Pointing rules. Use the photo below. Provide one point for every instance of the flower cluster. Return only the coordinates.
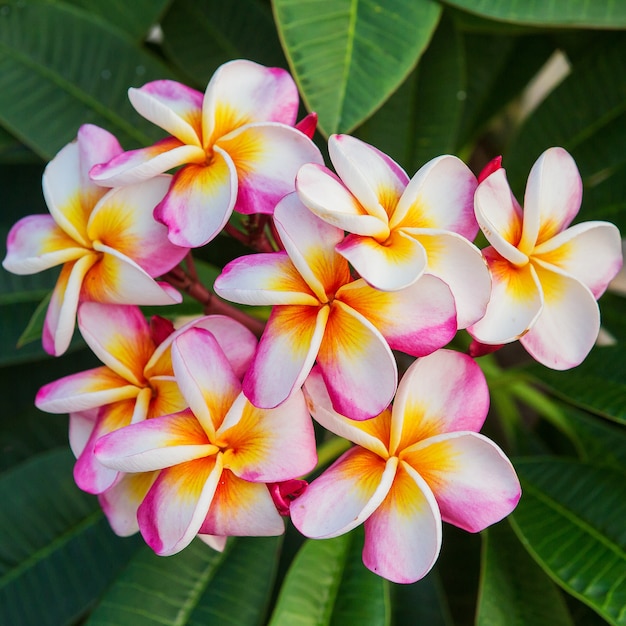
(203, 429)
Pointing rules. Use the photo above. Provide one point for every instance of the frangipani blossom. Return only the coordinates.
(136, 381)
(236, 144)
(214, 457)
(322, 314)
(107, 241)
(400, 228)
(415, 465)
(546, 274)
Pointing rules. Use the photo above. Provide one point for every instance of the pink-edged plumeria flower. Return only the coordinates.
(216, 457)
(414, 465)
(546, 274)
(321, 313)
(107, 241)
(236, 144)
(401, 229)
(136, 382)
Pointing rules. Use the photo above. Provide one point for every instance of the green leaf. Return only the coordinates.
(612, 307)
(196, 586)
(598, 384)
(134, 18)
(349, 56)
(201, 35)
(327, 584)
(420, 120)
(571, 519)
(57, 553)
(60, 68)
(514, 590)
(570, 13)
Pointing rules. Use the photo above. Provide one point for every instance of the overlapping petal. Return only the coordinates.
(357, 364)
(345, 495)
(123, 220)
(417, 320)
(267, 157)
(474, 484)
(286, 353)
(243, 92)
(242, 508)
(35, 243)
(403, 535)
(568, 326)
(95, 145)
(200, 201)
(515, 304)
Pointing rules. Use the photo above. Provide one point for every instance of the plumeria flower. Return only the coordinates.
(216, 457)
(547, 275)
(401, 229)
(415, 465)
(107, 241)
(236, 144)
(136, 382)
(321, 313)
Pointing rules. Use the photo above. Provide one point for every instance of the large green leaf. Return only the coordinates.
(598, 384)
(514, 590)
(196, 586)
(201, 35)
(57, 553)
(327, 584)
(571, 519)
(60, 68)
(573, 13)
(134, 18)
(348, 56)
(420, 120)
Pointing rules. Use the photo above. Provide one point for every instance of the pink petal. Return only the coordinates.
(375, 179)
(121, 501)
(403, 536)
(174, 509)
(269, 445)
(357, 365)
(95, 145)
(200, 201)
(155, 443)
(460, 265)
(265, 278)
(310, 244)
(123, 220)
(590, 252)
(172, 107)
(417, 320)
(242, 92)
(60, 319)
(136, 166)
(119, 336)
(267, 158)
(116, 279)
(568, 326)
(36, 243)
(81, 424)
(441, 196)
(516, 301)
(552, 199)
(345, 495)
(84, 390)
(474, 483)
(240, 508)
(500, 216)
(214, 541)
(204, 376)
(394, 265)
(324, 193)
(440, 393)
(371, 434)
(286, 353)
